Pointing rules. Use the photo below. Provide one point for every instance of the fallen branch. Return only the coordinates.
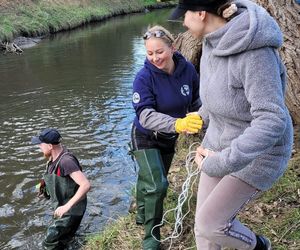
(10, 48)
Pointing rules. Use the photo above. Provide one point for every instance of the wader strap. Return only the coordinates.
(56, 165)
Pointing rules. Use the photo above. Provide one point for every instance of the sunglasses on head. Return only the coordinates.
(156, 33)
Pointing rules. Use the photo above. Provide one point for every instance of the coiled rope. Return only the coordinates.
(185, 195)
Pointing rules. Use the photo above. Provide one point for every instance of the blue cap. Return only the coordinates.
(48, 135)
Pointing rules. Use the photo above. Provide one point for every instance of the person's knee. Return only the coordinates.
(158, 187)
(208, 232)
(205, 226)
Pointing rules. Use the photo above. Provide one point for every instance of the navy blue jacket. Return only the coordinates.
(171, 95)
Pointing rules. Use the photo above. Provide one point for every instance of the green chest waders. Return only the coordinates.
(62, 230)
(152, 185)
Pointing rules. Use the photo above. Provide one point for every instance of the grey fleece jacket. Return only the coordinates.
(242, 91)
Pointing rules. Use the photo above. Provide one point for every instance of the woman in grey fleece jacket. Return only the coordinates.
(249, 134)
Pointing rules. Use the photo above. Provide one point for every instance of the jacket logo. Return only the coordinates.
(185, 90)
(136, 97)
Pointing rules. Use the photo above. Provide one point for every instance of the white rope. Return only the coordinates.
(184, 196)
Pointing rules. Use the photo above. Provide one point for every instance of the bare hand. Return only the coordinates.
(60, 211)
(201, 154)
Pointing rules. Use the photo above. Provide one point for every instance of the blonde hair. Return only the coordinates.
(168, 38)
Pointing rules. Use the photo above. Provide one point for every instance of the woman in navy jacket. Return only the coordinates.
(165, 91)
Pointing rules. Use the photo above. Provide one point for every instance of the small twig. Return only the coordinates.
(296, 225)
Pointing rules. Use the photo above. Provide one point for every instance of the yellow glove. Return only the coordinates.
(192, 123)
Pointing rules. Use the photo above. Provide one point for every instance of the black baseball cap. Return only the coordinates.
(48, 135)
(196, 5)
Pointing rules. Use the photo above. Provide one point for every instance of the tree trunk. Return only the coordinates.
(189, 47)
(286, 12)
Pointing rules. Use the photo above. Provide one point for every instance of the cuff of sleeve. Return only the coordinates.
(204, 118)
(214, 167)
(173, 126)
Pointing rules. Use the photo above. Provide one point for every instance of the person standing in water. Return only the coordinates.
(249, 135)
(165, 90)
(67, 187)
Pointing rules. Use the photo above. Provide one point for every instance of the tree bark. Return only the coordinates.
(287, 13)
(189, 47)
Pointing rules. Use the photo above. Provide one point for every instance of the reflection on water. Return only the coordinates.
(79, 82)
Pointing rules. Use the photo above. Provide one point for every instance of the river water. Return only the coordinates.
(79, 82)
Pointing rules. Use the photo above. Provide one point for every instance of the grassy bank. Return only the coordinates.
(275, 214)
(35, 18)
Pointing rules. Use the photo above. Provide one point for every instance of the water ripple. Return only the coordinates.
(87, 96)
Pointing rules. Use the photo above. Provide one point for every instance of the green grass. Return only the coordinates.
(120, 235)
(42, 17)
(275, 214)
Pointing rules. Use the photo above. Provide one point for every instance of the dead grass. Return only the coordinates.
(275, 214)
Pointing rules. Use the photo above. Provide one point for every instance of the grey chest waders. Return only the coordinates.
(62, 230)
(152, 185)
